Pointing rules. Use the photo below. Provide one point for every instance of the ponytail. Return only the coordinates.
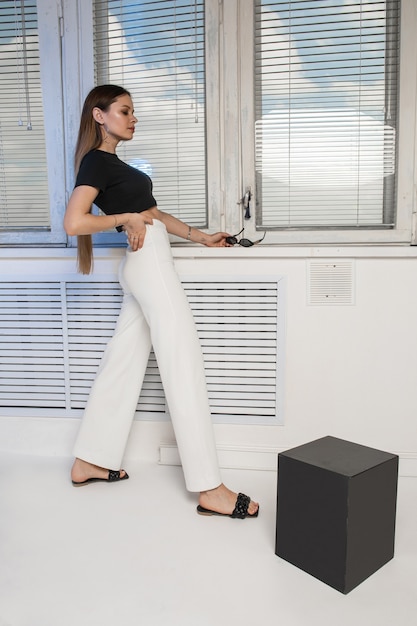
(85, 254)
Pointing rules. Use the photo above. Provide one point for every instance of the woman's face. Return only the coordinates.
(118, 121)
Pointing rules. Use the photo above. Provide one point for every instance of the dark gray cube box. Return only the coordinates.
(336, 507)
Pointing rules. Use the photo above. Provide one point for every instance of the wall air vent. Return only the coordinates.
(330, 282)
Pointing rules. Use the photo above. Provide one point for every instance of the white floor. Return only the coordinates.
(136, 554)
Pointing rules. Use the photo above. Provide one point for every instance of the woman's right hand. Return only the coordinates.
(135, 228)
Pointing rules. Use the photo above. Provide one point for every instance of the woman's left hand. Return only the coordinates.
(217, 240)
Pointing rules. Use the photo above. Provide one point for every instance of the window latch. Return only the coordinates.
(245, 202)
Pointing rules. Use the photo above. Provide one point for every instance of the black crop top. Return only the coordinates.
(123, 189)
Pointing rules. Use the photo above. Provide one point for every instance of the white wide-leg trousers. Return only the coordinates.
(155, 312)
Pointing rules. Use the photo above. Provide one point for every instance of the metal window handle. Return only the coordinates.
(246, 203)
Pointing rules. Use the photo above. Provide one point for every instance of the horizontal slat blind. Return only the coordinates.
(155, 49)
(326, 101)
(53, 335)
(24, 201)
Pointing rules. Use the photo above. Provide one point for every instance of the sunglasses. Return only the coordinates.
(246, 243)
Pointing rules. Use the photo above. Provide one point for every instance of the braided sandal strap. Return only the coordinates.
(241, 508)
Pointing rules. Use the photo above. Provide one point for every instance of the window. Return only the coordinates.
(326, 113)
(28, 212)
(306, 107)
(296, 103)
(156, 51)
(24, 179)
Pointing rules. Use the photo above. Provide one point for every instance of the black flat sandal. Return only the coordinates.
(113, 477)
(239, 512)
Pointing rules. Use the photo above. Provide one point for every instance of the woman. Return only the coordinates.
(154, 312)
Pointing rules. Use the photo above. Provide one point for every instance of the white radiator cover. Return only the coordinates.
(53, 334)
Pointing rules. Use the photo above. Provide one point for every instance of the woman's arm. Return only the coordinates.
(79, 221)
(175, 227)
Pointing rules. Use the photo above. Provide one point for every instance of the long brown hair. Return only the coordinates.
(90, 138)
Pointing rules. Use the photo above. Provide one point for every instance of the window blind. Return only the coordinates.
(155, 49)
(24, 201)
(326, 113)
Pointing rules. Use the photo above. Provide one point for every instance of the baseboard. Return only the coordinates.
(264, 458)
(51, 436)
(55, 437)
(230, 457)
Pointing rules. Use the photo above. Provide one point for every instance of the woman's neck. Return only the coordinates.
(109, 144)
(104, 147)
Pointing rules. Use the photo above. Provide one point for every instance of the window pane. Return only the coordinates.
(326, 112)
(155, 49)
(24, 201)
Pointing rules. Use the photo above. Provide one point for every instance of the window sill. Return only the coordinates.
(191, 251)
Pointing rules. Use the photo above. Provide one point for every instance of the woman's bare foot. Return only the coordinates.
(82, 471)
(223, 500)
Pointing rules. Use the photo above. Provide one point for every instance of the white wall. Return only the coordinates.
(350, 370)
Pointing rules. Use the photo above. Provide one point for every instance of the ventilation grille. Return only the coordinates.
(330, 282)
(237, 323)
(92, 311)
(32, 365)
(53, 335)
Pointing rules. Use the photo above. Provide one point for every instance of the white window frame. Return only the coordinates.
(66, 48)
(405, 229)
(49, 28)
